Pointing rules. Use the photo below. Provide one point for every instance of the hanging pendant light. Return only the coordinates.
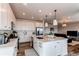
(64, 25)
(55, 20)
(46, 24)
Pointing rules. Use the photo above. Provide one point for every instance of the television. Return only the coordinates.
(72, 33)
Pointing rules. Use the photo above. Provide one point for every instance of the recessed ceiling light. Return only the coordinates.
(40, 11)
(23, 13)
(50, 13)
(32, 17)
(25, 4)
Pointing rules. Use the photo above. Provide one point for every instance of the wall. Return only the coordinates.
(70, 26)
(25, 28)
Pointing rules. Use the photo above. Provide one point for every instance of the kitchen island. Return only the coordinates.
(50, 46)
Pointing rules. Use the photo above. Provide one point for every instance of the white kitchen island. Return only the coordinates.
(56, 46)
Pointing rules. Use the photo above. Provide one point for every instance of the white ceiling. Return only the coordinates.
(29, 11)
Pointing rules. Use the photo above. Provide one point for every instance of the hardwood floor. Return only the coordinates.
(22, 47)
(72, 50)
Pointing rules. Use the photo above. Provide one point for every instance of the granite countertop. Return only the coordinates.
(49, 38)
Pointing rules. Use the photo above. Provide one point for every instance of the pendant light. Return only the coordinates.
(46, 24)
(55, 20)
(64, 25)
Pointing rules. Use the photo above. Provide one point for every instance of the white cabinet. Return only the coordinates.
(3, 16)
(39, 24)
(45, 49)
(6, 16)
(35, 44)
(61, 47)
(50, 48)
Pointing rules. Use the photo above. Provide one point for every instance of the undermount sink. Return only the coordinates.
(40, 37)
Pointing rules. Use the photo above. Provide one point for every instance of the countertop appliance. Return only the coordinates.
(2, 39)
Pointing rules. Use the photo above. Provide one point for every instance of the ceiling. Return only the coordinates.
(67, 12)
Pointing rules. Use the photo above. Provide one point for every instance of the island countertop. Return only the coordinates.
(48, 38)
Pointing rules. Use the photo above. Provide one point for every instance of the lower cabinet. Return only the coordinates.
(53, 48)
(61, 48)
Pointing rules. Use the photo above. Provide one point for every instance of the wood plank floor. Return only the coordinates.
(72, 50)
(23, 46)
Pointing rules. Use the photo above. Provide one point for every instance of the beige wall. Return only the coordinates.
(70, 26)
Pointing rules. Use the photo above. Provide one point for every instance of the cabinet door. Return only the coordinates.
(35, 44)
(40, 48)
(64, 47)
(61, 47)
(3, 17)
(6, 16)
(58, 49)
(49, 49)
(9, 17)
(39, 24)
(0, 15)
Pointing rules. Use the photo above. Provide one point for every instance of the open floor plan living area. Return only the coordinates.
(39, 29)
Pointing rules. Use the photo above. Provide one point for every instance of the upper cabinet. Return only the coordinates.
(39, 24)
(6, 16)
